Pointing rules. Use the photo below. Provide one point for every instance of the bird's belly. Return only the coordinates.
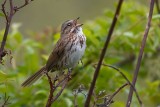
(75, 55)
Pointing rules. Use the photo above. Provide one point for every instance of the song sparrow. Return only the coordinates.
(67, 52)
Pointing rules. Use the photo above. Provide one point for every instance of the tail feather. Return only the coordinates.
(34, 77)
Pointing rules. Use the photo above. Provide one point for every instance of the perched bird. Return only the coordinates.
(67, 52)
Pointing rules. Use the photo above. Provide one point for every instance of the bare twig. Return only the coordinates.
(140, 53)
(77, 91)
(54, 86)
(60, 92)
(8, 16)
(26, 3)
(125, 77)
(108, 99)
(115, 93)
(51, 90)
(103, 53)
(6, 100)
(3, 10)
(101, 96)
(8, 19)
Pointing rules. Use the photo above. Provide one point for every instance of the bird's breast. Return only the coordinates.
(77, 50)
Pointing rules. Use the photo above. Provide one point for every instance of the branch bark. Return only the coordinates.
(103, 53)
(140, 54)
(54, 86)
(115, 93)
(6, 100)
(8, 16)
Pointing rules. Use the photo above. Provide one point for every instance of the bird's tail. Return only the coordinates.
(34, 77)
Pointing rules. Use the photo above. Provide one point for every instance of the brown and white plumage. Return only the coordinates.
(67, 52)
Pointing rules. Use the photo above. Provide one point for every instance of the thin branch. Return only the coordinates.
(115, 93)
(8, 16)
(125, 77)
(51, 91)
(140, 53)
(54, 86)
(3, 10)
(77, 91)
(26, 3)
(108, 99)
(8, 19)
(101, 96)
(6, 100)
(60, 92)
(103, 53)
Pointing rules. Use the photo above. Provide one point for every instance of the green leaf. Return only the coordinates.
(41, 92)
(2, 73)
(45, 57)
(157, 16)
(3, 76)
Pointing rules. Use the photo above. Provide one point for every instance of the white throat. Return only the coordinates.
(79, 31)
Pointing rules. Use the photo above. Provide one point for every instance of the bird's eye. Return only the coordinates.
(68, 24)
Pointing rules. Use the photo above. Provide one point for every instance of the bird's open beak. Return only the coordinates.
(75, 22)
(78, 25)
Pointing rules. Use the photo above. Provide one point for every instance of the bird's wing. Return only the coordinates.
(57, 53)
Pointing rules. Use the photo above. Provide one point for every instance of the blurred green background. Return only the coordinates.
(31, 42)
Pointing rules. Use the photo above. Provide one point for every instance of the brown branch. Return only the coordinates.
(108, 99)
(115, 93)
(140, 54)
(103, 53)
(3, 9)
(54, 86)
(8, 19)
(125, 77)
(77, 91)
(6, 100)
(26, 3)
(51, 90)
(60, 92)
(8, 16)
(101, 96)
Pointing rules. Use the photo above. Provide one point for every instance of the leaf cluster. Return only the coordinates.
(30, 51)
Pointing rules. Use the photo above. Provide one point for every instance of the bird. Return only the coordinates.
(67, 52)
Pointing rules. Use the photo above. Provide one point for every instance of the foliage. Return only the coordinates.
(30, 52)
